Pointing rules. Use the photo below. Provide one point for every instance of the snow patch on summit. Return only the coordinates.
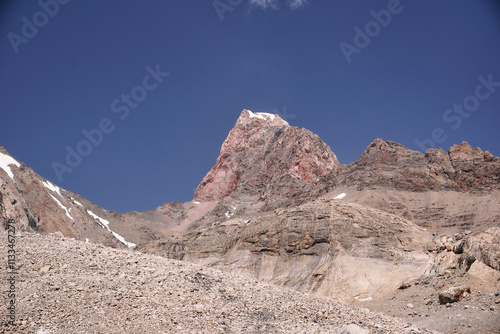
(5, 161)
(261, 115)
(105, 224)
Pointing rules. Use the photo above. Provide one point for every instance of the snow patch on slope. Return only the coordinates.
(62, 207)
(52, 187)
(340, 196)
(261, 115)
(105, 224)
(76, 202)
(5, 161)
(363, 299)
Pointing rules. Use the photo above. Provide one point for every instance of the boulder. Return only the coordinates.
(458, 247)
(453, 294)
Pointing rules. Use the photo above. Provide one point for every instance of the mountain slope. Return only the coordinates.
(40, 206)
(444, 192)
(67, 286)
(329, 248)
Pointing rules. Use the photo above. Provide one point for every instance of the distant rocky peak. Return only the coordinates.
(380, 144)
(390, 164)
(464, 151)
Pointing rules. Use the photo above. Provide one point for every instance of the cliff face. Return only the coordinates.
(263, 158)
(475, 170)
(326, 247)
(442, 191)
(389, 164)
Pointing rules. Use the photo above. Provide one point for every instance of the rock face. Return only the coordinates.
(264, 158)
(438, 211)
(443, 192)
(474, 169)
(485, 247)
(327, 248)
(389, 164)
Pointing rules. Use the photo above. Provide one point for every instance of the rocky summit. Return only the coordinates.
(389, 164)
(279, 237)
(263, 157)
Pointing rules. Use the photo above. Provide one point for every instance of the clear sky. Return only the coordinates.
(164, 82)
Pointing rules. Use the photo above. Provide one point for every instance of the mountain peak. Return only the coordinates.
(259, 151)
(465, 148)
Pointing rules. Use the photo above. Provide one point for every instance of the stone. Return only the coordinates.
(453, 294)
(45, 269)
(458, 247)
(484, 272)
(404, 285)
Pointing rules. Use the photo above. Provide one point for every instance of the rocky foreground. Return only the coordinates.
(68, 286)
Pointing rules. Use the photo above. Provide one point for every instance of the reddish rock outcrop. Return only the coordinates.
(265, 158)
(474, 169)
(389, 164)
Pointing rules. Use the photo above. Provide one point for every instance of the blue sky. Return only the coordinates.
(350, 71)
